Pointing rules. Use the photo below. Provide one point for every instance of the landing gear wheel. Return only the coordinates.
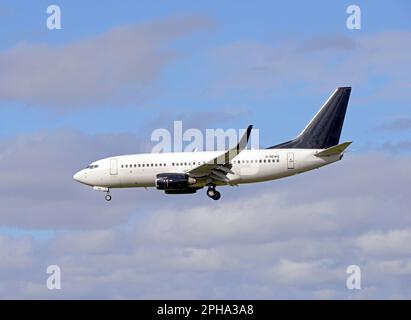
(108, 197)
(216, 196)
(213, 193)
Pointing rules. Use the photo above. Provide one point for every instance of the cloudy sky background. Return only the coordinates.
(116, 72)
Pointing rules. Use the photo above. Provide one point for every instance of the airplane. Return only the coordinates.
(187, 172)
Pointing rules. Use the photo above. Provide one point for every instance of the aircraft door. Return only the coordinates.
(113, 167)
(290, 160)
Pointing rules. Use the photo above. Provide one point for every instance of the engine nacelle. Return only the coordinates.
(174, 181)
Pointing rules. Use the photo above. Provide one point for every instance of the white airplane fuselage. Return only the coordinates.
(141, 170)
(186, 172)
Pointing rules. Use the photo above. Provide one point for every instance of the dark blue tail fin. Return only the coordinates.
(325, 128)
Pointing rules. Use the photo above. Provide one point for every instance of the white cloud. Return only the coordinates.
(122, 66)
(318, 62)
(396, 267)
(92, 242)
(291, 273)
(15, 252)
(391, 243)
(255, 219)
(37, 188)
(272, 240)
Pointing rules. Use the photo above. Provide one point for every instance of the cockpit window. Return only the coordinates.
(94, 166)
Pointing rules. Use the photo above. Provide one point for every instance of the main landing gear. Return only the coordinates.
(213, 193)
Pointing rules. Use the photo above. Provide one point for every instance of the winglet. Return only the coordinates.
(338, 149)
(244, 139)
(235, 151)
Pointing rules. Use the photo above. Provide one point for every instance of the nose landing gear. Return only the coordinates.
(104, 189)
(213, 193)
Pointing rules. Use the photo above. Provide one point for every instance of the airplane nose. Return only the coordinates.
(81, 176)
(77, 176)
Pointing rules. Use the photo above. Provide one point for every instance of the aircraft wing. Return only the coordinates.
(217, 168)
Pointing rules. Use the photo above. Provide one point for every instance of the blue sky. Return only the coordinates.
(115, 72)
(186, 81)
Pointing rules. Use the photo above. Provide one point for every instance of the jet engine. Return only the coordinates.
(174, 181)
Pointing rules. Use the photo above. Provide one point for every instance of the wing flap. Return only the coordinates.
(222, 161)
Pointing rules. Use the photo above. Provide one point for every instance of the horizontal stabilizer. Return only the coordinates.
(338, 149)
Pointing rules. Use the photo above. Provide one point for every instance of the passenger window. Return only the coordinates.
(260, 161)
(122, 166)
(264, 161)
